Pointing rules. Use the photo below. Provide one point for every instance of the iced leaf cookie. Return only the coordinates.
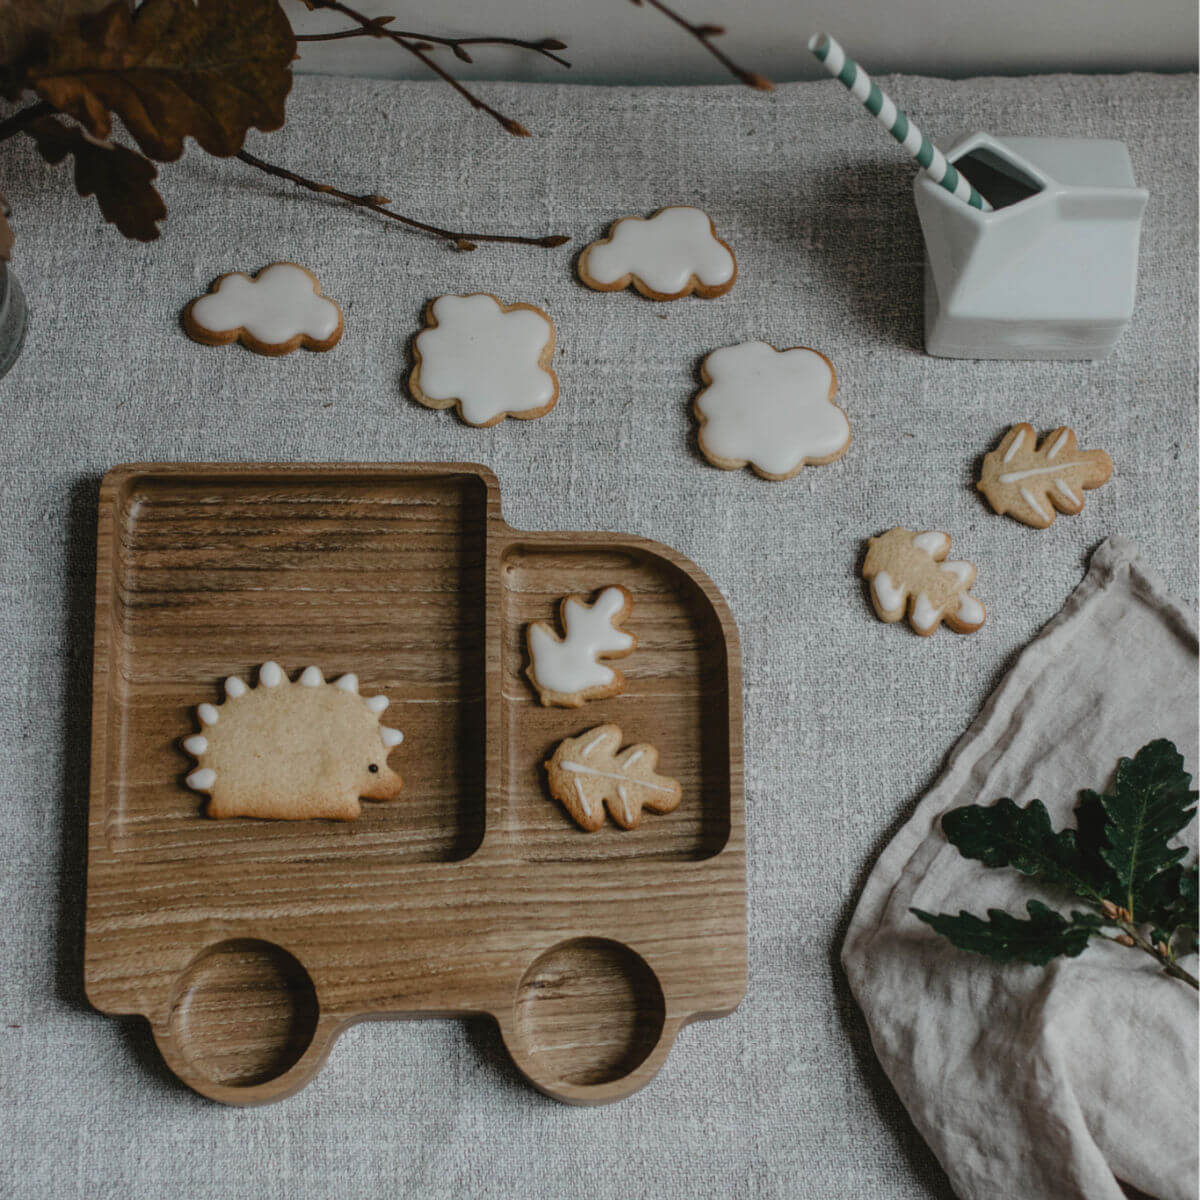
(487, 359)
(293, 751)
(587, 775)
(667, 256)
(771, 409)
(1029, 482)
(566, 671)
(909, 570)
(275, 312)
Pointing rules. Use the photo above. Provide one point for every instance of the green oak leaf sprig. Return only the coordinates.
(1119, 860)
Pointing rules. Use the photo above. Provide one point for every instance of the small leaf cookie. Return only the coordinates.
(770, 409)
(1028, 481)
(488, 359)
(293, 751)
(567, 671)
(275, 312)
(666, 256)
(587, 775)
(909, 570)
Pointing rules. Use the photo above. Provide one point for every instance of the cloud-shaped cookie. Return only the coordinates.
(488, 359)
(276, 311)
(670, 255)
(771, 409)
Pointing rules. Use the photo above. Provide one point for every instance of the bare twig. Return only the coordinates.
(25, 117)
(419, 48)
(377, 204)
(704, 35)
(546, 46)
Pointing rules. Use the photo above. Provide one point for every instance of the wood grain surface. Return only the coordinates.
(249, 945)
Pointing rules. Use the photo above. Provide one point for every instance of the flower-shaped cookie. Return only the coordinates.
(488, 359)
(771, 409)
(666, 257)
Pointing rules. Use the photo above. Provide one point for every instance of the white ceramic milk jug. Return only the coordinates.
(1052, 271)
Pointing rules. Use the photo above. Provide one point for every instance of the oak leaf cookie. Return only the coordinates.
(771, 409)
(586, 775)
(488, 359)
(667, 256)
(907, 569)
(1029, 482)
(293, 751)
(566, 671)
(275, 312)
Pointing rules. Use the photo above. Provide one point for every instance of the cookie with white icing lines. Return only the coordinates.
(293, 751)
(567, 671)
(487, 359)
(672, 254)
(1029, 482)
(587, 775)
(770, 409)
(910, 571)
(274, 312)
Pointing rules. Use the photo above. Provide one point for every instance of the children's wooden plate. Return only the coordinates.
(249, 945)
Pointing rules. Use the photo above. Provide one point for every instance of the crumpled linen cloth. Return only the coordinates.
(1067, 1081)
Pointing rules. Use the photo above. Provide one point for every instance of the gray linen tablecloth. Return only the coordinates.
(847, 720)
(1059, 1083)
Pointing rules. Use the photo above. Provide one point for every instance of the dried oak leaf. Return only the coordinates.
(121, 179)
(211, 70)
(23, 23)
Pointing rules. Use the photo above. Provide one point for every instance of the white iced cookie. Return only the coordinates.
(771, 409)
(909, 571)
(275, 312)
(667, 256)
(567, 671)
(488, 359)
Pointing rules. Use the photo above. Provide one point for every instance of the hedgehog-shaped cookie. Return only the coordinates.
(293, 751)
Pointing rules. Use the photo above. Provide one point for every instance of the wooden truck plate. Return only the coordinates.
(249, 945)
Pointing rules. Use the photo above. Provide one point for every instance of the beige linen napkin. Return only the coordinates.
(1065, 1081)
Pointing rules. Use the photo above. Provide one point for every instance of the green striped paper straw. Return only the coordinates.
(844, 69)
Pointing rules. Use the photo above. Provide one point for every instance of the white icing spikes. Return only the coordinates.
(312, 749)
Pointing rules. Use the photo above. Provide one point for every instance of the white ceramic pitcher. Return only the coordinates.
(1050, 275)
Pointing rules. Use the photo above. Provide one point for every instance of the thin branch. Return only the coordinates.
(1168, 964)
(545, 47)
(377, 203)
(375, 27)
(21, 120)
(704, 35)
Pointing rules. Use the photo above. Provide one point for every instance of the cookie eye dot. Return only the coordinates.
(373, 769)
